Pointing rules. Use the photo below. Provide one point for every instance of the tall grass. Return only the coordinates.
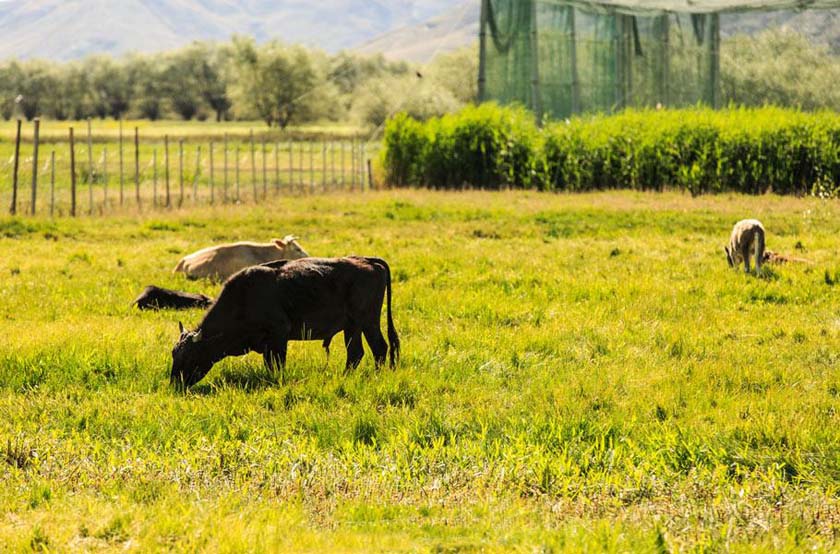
(752, 151)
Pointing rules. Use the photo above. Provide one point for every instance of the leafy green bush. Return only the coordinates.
(700, 150)
(480, 147)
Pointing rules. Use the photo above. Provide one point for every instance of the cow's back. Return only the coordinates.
(220, 262)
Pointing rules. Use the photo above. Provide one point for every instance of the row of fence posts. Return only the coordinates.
(361, 176)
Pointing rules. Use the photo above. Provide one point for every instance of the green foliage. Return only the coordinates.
(279, 80)
(752, 151)
(779, 67)
(479, 147)
(445, 85)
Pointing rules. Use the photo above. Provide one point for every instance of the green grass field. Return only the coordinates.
(579, 372)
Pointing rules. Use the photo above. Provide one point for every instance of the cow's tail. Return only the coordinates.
(393, 337)
(180, 266)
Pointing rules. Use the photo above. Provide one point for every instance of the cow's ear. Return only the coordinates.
(181, 327)
(280, 243)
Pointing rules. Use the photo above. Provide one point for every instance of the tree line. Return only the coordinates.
(282, 84)
(274, 82)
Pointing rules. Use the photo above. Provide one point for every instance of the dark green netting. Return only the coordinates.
(565, 57)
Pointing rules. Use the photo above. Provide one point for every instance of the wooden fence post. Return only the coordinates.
(137, 166)
(311, 145)
(212, 176)
(370, 175)
(13, 207)
(353, 164)
(324, 166)
(291, 167)
(166, 169)
(301, 171)
(236, 152)
(35, 145)
(52, 183)
(197, 173)
(226, 170)
(253, 167)
(264, 169)
(180, 172)
(154, 177)
(72, 174)
(105, 177)
(90, 166)
(343, 162)
(122, 172)
(332, 164)
(276, 167)
(362, 175)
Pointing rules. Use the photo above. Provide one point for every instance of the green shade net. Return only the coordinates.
(564, 57)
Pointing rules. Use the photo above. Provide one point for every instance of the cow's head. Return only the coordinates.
(290, 248)
(191, 360)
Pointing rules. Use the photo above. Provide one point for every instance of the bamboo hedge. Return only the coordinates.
(753, 151)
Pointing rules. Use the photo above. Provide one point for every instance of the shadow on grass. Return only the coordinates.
(768, 274)
(250, 379)
(246, 381)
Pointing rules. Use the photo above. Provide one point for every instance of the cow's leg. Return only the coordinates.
(274, 357)
(377, 343)
(355, 350)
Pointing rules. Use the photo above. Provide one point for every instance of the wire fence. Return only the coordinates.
(83, 176)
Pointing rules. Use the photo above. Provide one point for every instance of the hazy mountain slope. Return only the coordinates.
(454, 29)
(400, 29)
(459, 27)
(67, 29)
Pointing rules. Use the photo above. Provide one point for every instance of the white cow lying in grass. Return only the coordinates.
(220, 262)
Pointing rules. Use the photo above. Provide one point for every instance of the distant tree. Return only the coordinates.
(456, 72)
(11, 76)
(70, 98)
(350, 71)
(195, 77)
(36, 82)
(279, 82)
(417, 97)
(149, 94)
(779, 67)
(213, 78)
(110, 86)
(180, 84)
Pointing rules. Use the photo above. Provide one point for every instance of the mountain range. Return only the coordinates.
(70, 29)
(413, 30)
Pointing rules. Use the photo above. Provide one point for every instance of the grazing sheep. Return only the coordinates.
(746, 235)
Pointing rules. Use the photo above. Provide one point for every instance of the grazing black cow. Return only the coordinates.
(261, 308)
(156, 298)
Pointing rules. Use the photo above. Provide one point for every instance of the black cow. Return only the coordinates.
(261, 308)
(156, 298)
